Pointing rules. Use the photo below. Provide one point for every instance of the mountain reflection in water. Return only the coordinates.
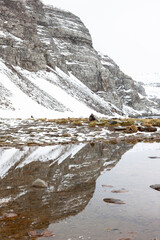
(71, 172)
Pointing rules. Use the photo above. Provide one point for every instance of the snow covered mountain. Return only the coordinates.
(151, 84)
(50, 93)
(49, 68)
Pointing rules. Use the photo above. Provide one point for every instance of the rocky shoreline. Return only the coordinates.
(43, 132)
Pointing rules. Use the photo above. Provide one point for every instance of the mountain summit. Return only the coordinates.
(49, 68)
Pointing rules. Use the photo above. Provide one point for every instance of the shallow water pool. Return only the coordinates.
(79, 177)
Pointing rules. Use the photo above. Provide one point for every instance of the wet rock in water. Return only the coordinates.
(156, 187)
(40, 233)
(39, 183)
(120, 191)
(113, 200)
(92, 118)
(109, 186)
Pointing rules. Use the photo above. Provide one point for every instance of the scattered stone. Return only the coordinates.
(112, 122)
(154, 157)
(113, 200)
(39, 183)
(156, 187)
(120, 191)
(92, 118)
(40, 233)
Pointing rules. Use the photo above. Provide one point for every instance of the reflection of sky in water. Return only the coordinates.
(139, 218)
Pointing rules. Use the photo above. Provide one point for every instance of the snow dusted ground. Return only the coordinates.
(51, 94)
(15, 132)
(45, 132)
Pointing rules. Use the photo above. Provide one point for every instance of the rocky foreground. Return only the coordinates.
(39, 132)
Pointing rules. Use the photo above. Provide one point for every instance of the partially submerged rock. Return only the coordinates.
(39, 183)
(120, 191)
(156, 187)
(113, 200)
(109, 186)
(40, 233)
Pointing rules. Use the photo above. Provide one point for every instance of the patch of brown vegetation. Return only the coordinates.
(92, 124)
(62, 121)
(131, 129)
(127, 122)
(77, 123)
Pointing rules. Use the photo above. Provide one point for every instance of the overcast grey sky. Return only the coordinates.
(128, 31)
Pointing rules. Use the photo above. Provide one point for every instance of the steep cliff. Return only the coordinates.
(36, 37)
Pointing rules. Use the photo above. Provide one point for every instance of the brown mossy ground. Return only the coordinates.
(103, 122)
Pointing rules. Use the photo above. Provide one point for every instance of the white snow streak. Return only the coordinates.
(25, 107)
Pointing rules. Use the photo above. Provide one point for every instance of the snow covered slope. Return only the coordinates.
(50, 93)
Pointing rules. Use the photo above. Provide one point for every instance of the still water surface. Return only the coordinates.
(80, 177)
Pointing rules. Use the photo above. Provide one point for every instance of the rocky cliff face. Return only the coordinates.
(34, 37)
(128, 95)
(19, 43)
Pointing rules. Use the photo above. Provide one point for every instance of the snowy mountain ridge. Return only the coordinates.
(151, 84)
(49, 68)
